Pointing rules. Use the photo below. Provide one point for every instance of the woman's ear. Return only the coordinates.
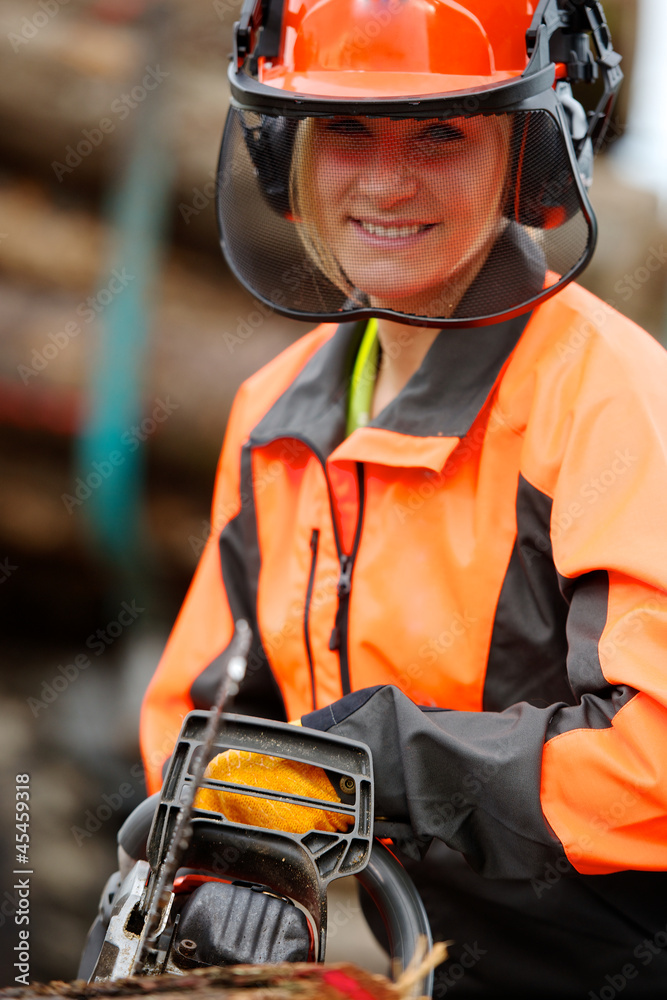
(270, 143)
(542, 190)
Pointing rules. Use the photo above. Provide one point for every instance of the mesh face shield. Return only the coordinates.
(452, 218)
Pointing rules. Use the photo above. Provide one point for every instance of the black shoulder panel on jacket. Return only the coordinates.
(598, 701)
(239, 562)
(528, 652)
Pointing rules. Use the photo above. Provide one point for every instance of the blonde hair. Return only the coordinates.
(306, 209)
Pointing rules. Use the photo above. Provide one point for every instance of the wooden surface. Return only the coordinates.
(298, 981)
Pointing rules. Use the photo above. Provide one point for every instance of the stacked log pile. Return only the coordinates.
(62, 69)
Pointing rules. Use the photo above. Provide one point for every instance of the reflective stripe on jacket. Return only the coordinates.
(493, 543)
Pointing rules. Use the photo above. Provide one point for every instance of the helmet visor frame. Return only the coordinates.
(249, 94)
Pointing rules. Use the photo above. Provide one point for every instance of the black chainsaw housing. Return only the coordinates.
(236, 924)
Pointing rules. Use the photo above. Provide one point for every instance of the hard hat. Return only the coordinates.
(423, 160)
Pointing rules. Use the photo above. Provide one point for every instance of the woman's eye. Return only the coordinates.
(442, 132)
(352, 127)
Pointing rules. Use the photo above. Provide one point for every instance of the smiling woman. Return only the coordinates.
(401, 214)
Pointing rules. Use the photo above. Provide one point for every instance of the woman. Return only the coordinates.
(444, 520)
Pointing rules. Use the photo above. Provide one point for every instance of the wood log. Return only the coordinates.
(290, 981)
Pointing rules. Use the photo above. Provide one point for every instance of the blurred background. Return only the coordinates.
(122, 340)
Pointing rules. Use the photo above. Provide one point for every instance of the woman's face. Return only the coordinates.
(409, 209)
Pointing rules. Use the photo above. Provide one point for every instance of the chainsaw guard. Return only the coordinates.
(289, 866)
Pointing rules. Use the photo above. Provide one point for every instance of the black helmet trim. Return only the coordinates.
(368, 312)
(267, 148)
(249, 94)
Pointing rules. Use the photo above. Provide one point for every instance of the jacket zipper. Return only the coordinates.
(339, 637)
(314, 542)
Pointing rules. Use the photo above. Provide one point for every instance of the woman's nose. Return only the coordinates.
(387, 177)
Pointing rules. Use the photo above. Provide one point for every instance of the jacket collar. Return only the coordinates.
(421, 426)
(314, 407)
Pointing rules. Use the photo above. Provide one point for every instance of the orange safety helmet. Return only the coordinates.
(351, 48)
(423, 160)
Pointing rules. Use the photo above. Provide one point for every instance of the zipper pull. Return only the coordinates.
(343, 588)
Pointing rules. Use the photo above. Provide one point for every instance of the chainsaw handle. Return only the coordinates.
(400, 907)
(133, 834)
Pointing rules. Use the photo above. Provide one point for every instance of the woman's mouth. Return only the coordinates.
(395, 231)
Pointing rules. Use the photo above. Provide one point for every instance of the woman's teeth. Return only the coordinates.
(391, 232)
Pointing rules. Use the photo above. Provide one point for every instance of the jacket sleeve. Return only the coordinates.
(191, 667)
(470, 779)
(580, 786)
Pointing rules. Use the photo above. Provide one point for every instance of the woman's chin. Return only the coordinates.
(416, 285)
(411, 297)
(412, 301)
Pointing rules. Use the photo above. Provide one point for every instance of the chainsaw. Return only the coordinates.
(211, 892)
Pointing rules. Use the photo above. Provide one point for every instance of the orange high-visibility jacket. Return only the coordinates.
(494, 543)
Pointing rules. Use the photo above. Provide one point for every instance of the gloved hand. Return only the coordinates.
(277, 774)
